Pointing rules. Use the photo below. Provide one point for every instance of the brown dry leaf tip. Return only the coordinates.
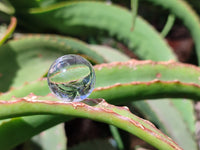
(133, 63)
(1, 75)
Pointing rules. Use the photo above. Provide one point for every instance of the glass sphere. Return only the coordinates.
(71, 78)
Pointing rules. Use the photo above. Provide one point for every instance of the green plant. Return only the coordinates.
(26, 58)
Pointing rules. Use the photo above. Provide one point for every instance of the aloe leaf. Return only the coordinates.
(134, 74)
(109, 54)
(73, 17)
(31, 56)
(182, 10)
(185, 107)
(188, 115)
(41, 38)
(6, 7)
(9, 30)
(51, 139)
(97, 109)
(3, 28)
(147, 78)
(124, 68)
(157, 113)
(12, 133)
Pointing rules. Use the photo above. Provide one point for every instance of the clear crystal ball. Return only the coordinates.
(71, 78)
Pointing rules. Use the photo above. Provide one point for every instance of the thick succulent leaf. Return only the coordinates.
(186, 118)
(13, 135)
(31, 56)
(46, 41)
(51, 139)
(147, 78)
(6, 7)
(75, 18)
(138, 75)
(142, 55)
(185, 107)
(184, 11)
(188, 115)
(156, 112)
(95, 109)
(109, 54)
(120, 71)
